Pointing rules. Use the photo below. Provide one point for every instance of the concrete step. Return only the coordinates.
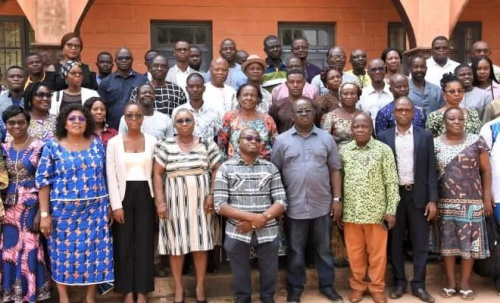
(219, 285)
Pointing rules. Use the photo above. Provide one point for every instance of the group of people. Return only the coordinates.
(102, 173)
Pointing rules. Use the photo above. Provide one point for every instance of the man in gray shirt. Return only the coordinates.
(309, 162)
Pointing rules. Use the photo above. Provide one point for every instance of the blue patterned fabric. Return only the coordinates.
(80, 245)
(385, 118)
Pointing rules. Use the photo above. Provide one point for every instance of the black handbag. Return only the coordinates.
(490, 267)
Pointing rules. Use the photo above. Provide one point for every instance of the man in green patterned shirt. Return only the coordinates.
(371, 197)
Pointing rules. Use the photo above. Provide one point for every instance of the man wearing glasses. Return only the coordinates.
(117, 87)
(249, 192)
(309, 162)
(439, 63)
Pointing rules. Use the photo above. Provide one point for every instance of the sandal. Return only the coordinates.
(448, 292)
(467, 295)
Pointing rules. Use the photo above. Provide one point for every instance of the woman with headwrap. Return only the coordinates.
(72, 72)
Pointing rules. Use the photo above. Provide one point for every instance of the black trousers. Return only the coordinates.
(133, 241)
(413, 220)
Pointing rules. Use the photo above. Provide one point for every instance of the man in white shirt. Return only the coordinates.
(181, 70)
(439, 63)
(219, 96)
(377, 94)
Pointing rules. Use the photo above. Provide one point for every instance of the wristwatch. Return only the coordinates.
(44, 214)
(337, 199)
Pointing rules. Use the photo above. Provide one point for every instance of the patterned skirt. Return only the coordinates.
(460, 230)
(23, 273)
(80, 246)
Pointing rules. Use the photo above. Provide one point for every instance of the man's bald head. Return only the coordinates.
(399, 86)
(219, 69)
(219, 60)
(480, 49)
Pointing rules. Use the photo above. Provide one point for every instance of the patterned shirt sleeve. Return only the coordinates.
(224, 136)
(46, 167)
(221, 188)
(434, 123)
(213, 154)
(133, 95)
(327, 122)
(473, 123)
(391, 181)
(381, 123)
(161, 153)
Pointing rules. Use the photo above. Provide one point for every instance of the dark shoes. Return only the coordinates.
(331, 294)
(293, 296)
(397, 292)
(423, 295)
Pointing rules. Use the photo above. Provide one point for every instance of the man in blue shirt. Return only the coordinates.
(16, 76)
(236, 77)
(423, 93)
(117, 87)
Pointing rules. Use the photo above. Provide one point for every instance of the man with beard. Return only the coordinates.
(195, 58)
(117, 87)
(423, 93)
(104, 65)
(168, 95)
(16, 76)
(378, 94)
(300, 49)
(335, 59)
(181, 70)
(36, 73)
(358, 64)
(235, 77)
(155, 123)
(275, 72)
(439, 63)
(218, 95)
(385, 116)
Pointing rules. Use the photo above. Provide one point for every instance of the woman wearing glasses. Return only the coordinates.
(453, 93)
(246, 116)
(37, 103)
(184, 199)
(74, 205)
(22, 254)
(129, 167)
(72, 73)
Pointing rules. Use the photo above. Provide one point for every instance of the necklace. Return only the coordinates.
(348, 113)
(23, 145)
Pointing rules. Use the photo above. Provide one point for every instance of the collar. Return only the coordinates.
(431, 60)
(314, 130)
(191, 108)
(370, 89)
(408, 132)
(269, 63)
(368, 145)
(116, 74)
(240, 160)
(178, 70)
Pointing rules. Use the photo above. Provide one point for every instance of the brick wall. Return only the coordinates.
(110, 24)
(10, 8)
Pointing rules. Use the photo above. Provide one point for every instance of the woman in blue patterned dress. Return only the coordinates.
(74, 205)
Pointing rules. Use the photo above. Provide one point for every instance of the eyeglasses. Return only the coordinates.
(134, 116)
(72, 45)
(403, 110)
(455, 91)
(180, 50)
(304, 112)
(73, 119)
(123, 58)
(184, 121)
(377, 69)
(43, 95)
(76, 74)
(13, 123)
(251, 138)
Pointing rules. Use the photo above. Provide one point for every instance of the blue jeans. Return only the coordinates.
(297, 231)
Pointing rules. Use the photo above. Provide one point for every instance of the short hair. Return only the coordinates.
(104, 53)
(160, 56)
(61, 132)
(414, 57)
(32, 55)
(181, 110)
(194, 75)
(295, 71)
(449, 110)
(439, 38)
(298, 39)
(13, 111)
(150, 51)
(269, 38)
(304, 98)
(259, 93)
(15, 67)
(448, 78)
(70, 36)
(475, 64)
(196, 47)
(145, 84)
(461, 66)
(90, 102)
(386, 51)
(29, 94)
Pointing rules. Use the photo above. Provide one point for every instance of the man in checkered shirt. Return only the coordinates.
(168, 95)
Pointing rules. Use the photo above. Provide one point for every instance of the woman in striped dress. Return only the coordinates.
(184, 201)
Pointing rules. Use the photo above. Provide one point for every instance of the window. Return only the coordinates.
(396, 35)
(320, 37)
(165, 34)
(15, 37)
(463, 37)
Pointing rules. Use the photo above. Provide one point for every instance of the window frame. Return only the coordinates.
(393, 29)
(459, 50)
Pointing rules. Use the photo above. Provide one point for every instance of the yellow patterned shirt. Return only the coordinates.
(370, 182)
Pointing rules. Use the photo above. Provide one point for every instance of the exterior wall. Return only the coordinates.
(489, 13)
(110, 24)
(10, 8)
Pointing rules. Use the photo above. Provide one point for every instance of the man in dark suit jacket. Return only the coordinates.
(413, 149)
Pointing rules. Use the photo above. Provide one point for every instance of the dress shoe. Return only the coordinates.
(397, 292)
(423, 295)
(355, 296)
(293, 297)
(331, 294)
(379, 297)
